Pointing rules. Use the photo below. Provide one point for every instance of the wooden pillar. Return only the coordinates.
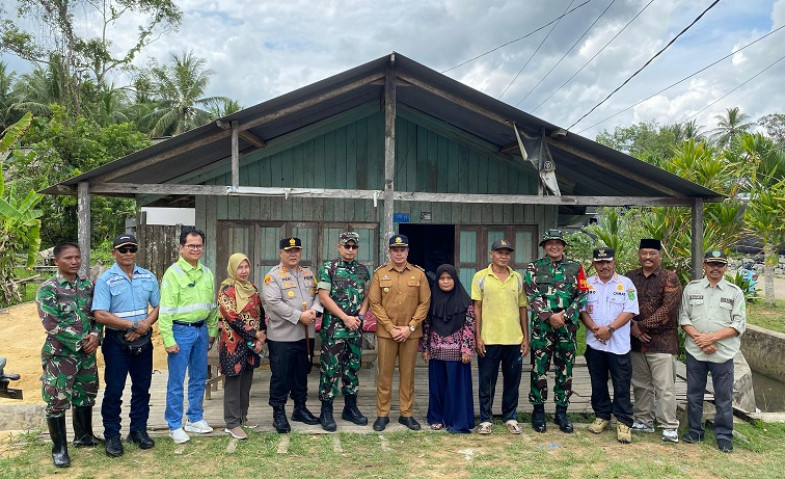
(235, 155)
(697, 238)
(389, 159)
(83, 212)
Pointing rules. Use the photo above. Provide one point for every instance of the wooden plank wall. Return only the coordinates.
(158, 247)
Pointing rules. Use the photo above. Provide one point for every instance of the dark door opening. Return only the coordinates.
(430, 246)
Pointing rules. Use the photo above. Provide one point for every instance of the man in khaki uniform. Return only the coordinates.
(400, 297)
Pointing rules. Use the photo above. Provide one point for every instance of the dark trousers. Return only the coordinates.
(509, 356)
(121, 362)
(722, 380)
(600, 363)
(450, 401)
(237, 394)
(289, 367)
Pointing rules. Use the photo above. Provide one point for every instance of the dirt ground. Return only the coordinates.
(21, 338)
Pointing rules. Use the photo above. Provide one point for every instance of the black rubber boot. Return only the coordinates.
(83, 428)
(538, 418)
(326, 416)
(351, 413)
(302, 414)
(562, 420)
(280, 423)
(59, 441)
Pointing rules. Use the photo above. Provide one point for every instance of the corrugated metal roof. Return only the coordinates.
(606, 173)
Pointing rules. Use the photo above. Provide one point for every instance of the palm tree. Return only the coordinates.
(730, 126)
(179, 102)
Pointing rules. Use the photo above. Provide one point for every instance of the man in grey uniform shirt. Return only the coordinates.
(293, 306)
(713, 314)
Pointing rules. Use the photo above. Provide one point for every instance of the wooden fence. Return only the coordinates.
(158, 247)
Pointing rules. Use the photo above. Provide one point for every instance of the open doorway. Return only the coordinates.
(430, 246)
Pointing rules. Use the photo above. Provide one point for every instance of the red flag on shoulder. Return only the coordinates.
(583, 283)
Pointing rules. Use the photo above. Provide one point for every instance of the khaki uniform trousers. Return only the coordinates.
(654, 387)
(406, 352)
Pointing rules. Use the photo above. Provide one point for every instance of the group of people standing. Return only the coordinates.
(631, 326)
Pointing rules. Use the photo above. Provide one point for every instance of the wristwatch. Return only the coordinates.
(412, 328)
(611, 329)
(135, 325)
(361, 316)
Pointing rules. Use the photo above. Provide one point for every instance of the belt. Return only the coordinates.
(195, 324)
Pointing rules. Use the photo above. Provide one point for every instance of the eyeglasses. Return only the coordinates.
(715, 264)
(126, 249)
(351, 246)
(194, 246)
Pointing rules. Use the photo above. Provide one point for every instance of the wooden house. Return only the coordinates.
(389, 146)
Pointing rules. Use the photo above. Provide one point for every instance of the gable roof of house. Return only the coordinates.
(593, 169)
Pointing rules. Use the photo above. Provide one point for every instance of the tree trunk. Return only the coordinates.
(769, 255)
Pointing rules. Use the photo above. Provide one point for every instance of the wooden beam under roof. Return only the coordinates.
(129, 189)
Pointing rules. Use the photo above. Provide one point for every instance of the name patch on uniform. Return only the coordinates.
(696, 296)
(726, 300)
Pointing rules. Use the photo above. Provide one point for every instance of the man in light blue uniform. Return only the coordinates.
(121, 299)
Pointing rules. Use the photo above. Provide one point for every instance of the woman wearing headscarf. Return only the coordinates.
(447, 345)
(241, 340)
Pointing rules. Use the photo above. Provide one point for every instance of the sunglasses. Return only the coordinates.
(715, 264)
(127, 249)
(351, 246)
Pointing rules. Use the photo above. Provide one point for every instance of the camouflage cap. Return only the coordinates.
(553, 235)
(347, 236)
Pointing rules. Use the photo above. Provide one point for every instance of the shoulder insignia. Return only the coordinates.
(267, 279)
(419, 267)
(380, 267)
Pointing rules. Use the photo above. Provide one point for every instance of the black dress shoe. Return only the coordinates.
(409, 422)
(114, 446)
(141, 439)
(381, 423)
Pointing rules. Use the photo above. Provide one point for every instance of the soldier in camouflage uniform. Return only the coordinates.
(70, 376)
(557, 289)
(342, 284)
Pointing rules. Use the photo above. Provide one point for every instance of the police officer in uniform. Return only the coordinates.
(293, 307)
(556, 288)
(70, 376)
(400, 297)
(343, 283)
(121, 300)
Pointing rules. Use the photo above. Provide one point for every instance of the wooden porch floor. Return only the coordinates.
(261, 413)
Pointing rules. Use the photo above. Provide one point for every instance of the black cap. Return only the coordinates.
(399, 240)
(715, 256)
(603, 253)
(650, 243)
(125, 239)
(502, 244)
(290, 243)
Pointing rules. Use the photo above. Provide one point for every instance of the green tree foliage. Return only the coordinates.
(19, 223)
(62, 36)
(730, 126)
(774, 124)
(180, 104)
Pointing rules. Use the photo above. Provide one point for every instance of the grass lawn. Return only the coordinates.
(422, 455)
(767, 317)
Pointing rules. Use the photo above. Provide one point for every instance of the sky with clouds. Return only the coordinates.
(260, 49)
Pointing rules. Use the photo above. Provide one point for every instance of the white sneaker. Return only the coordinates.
(179, 436)
(199, 427)
(671, 435)
(636, 426)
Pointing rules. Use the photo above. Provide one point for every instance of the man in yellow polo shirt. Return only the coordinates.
(502, 334)
(188, 322)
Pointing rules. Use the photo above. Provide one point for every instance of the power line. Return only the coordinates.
(684, 79)
(568, 52)
(737, 87)
(592, 58)
(646, 64)
(516, 39)
(534, 53)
